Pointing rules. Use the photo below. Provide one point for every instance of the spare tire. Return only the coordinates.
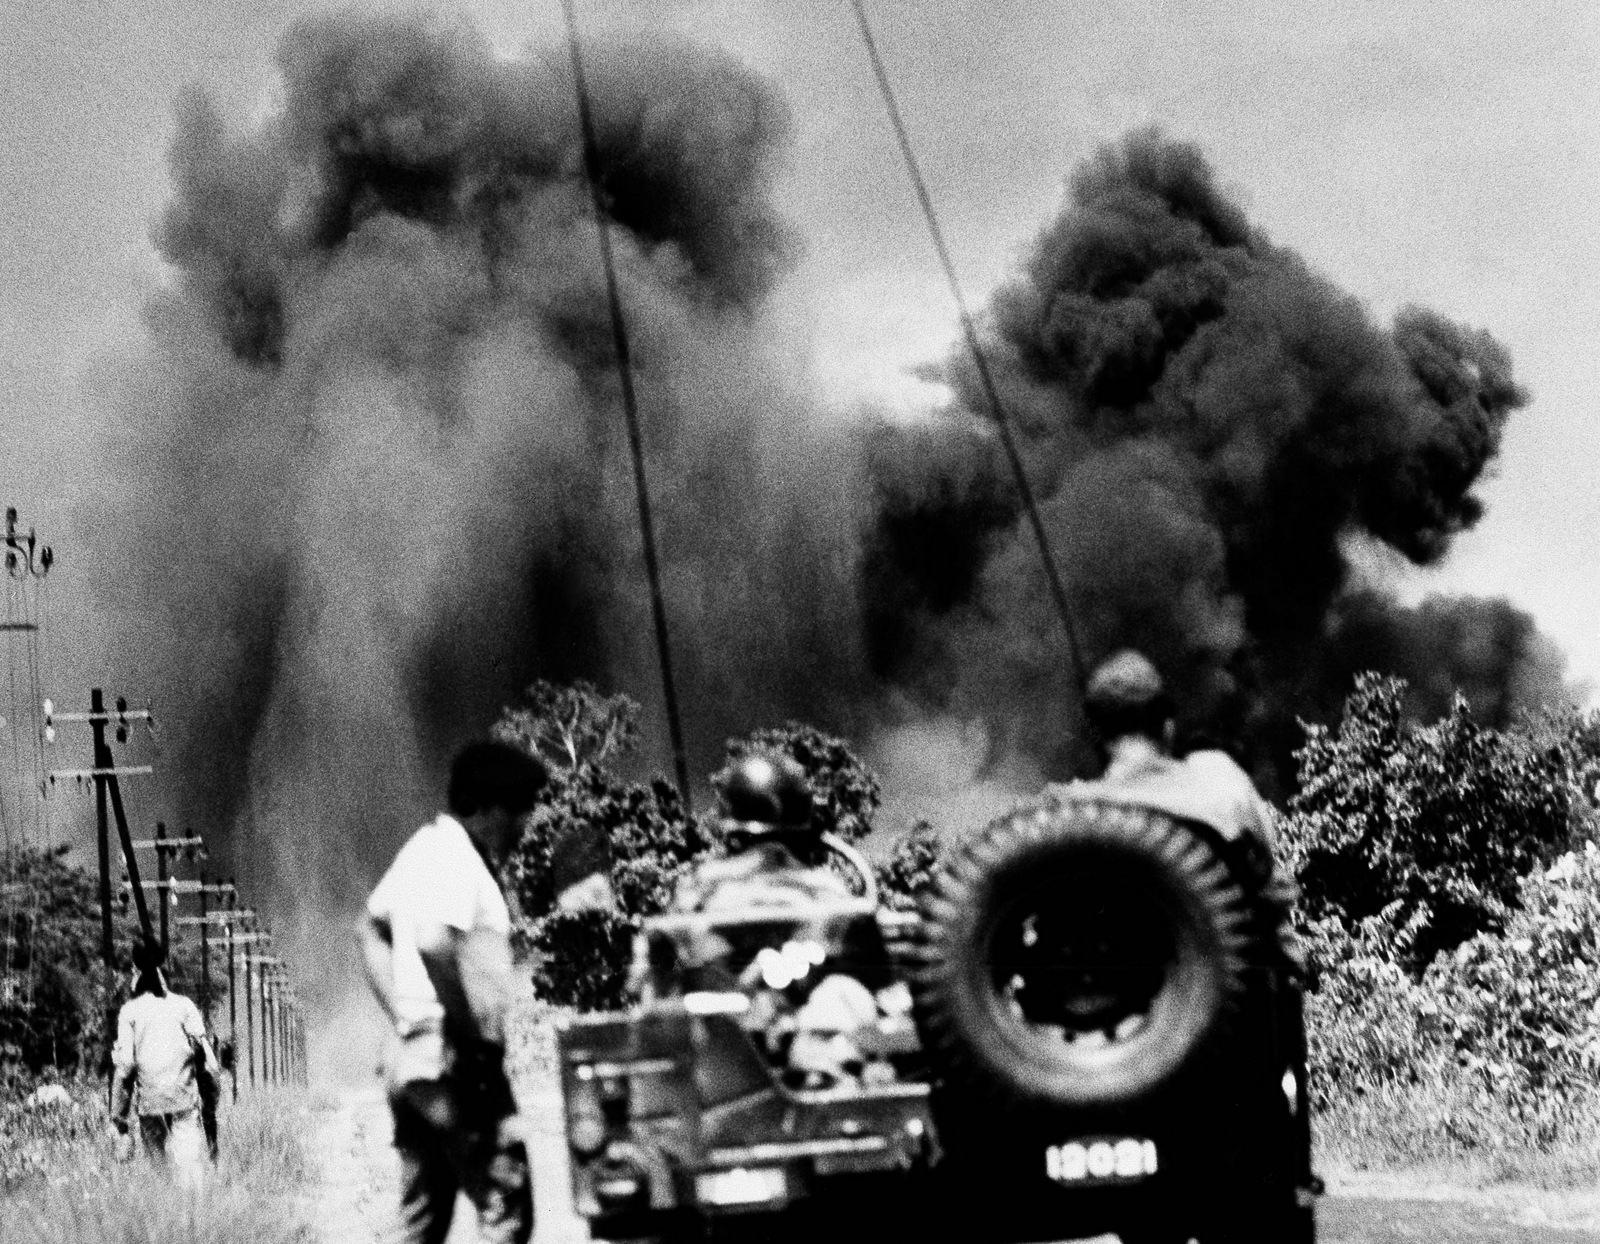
(1079, 953)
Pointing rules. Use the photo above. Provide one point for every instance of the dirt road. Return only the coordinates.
(356, 1197)
(1387, 1209)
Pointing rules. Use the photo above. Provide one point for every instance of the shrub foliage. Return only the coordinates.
(1452, 913)
(636, 835)
(1430, 828)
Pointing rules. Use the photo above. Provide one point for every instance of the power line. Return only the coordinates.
(969, 330)
(630, 409)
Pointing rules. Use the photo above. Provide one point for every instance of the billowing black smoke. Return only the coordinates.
(376, 481)
(1210, 424)
(380, 432)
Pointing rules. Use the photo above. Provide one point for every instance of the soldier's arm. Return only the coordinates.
(122, 1073)
(376, 939)
(194, 1027)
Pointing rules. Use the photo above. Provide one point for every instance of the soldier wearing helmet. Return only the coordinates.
(775, 854)
(815, 1023)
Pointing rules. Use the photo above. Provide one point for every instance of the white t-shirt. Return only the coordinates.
(439, 878)
(155, 1036)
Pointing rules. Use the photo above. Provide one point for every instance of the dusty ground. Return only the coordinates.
(359, 1172)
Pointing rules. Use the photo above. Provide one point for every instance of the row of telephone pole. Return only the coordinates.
(274, 1037)
(273, 1027)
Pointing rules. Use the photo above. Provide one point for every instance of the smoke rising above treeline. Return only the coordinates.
(379, 416)
(381, 419)
(1212, 425)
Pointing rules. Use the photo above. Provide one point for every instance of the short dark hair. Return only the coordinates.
(148, 956)
(1127, 695)
(491, 774)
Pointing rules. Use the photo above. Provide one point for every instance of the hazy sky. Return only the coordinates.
(1417, 152)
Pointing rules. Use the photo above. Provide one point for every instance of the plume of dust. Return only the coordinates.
(378, 414)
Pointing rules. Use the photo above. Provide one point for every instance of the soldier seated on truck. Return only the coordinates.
(776, 857)
(817, 1024)
(1127, 705)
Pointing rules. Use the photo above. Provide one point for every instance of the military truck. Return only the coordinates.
(1105, 1036)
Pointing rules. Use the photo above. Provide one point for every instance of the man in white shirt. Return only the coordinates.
(437, 945)
(161, 1047)
(1127, 705)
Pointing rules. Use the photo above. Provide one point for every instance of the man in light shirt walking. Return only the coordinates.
(436, 941)
(161, 1051)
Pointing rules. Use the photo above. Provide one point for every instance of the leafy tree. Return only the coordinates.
(569, 727)
(1430, 828)
(583, 958)
(1523, 1007)
(845, 793)
(637, 836)
(54, 1000)
(909, 872)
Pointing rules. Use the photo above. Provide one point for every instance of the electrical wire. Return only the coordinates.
(630, 409)
(969, 330)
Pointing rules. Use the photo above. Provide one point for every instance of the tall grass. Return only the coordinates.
(1448, 1128)
(64, 1187)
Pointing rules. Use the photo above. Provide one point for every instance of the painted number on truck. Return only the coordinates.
(1101, 1160)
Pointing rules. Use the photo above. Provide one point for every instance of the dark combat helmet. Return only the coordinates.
(765, 794)
(1126, 695)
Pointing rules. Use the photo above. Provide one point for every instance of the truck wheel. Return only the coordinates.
(1078, 953)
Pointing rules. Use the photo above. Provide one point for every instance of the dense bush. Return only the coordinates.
(637, 836)
(1496, 1048)
(908, 874)
(582, 958)
(54, 1002)
(1430, 828)
(1452, 915)
(590, 823)
(1522, 1007)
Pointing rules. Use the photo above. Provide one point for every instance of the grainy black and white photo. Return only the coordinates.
(730, 622)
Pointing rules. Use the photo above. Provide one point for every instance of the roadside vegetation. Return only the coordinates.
(59, 1182)
(1450, 884)
(1450, 910)
(637, 836)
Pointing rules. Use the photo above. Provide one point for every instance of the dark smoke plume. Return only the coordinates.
(1209, 421)
(380, 426)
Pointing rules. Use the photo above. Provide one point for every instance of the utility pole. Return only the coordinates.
(162, 895)
(265, 963)
(247, 939)
(205, 958)
(19, 551)
(106, 785)
(250, 1019)
(233, 1013)
(269, 1024)
(165, 848)
(104, 772)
